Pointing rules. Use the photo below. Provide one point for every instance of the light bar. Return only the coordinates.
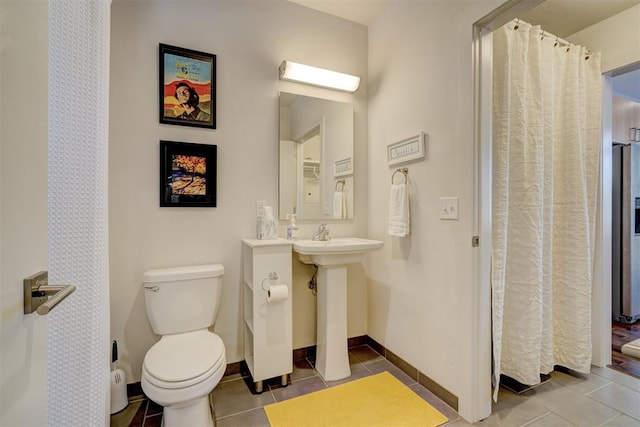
(301, 73)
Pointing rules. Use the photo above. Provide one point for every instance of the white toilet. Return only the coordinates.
(181, 369)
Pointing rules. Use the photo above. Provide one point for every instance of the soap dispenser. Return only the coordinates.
(292, 229)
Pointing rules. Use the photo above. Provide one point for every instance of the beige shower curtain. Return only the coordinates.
(546, 156)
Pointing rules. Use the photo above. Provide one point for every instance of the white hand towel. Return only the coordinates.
(399, 210)
(339, 205)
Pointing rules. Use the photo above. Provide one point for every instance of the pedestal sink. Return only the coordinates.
(332, 257)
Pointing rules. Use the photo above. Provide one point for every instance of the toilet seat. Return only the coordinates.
(183, 360)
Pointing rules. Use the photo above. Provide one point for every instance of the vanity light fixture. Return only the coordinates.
(301, 73)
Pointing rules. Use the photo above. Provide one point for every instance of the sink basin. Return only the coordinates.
(338, 251)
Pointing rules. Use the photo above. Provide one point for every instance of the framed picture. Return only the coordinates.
(188, 174)
(187, 94)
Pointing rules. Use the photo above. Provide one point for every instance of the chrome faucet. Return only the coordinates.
(323, 233)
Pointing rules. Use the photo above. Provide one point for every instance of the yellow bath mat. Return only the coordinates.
(378, 400)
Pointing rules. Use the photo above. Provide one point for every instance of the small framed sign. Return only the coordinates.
(407, 150)
(187, 87)
(343, 167)
(188, 174)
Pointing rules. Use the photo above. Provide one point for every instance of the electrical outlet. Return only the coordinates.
(449, 208)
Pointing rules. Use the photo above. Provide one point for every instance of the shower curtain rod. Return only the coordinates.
(559, 42)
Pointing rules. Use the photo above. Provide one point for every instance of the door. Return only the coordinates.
(23, 208)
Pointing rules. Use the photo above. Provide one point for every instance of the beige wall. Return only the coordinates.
(618, 38)
(250, 39)
(24, 31)
(420, 293)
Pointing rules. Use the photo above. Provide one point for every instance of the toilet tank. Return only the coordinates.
(182, 299)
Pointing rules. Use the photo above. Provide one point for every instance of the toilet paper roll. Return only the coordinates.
(277, 293)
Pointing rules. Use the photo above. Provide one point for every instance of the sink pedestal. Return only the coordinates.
(332, 258)
(332, 357)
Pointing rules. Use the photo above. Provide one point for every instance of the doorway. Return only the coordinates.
(626, 313)
(601, 302)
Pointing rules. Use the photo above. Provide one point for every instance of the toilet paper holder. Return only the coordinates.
(271, 276)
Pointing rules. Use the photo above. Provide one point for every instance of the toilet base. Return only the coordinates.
(197, 414)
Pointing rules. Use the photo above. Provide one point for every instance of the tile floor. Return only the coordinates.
(604, 398)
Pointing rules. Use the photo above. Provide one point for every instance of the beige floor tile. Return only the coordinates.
(253, 418)
(515, 412)
(299, 388)
(580, 383)
(233, 397)
(550, 420)
(302, 369)
(623, 421)
(357, 371)
(457, 423)
(575, 407)
(384, 365)
(620, 398)
(618, 377)
(434, 401)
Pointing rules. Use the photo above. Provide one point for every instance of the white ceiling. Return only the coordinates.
(361, 11)
(566, 17)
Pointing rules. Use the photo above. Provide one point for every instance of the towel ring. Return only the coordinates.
(404, 171)
(340, 181)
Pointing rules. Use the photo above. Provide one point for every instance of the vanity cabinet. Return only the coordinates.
(268, 342)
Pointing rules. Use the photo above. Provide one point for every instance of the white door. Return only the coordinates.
(23, 208)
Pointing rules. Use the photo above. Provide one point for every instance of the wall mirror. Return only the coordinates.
(316, 158)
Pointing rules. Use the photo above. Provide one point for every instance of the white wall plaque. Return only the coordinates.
(407, 150)
(343, 167)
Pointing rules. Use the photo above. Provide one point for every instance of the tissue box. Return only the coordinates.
(266, 229)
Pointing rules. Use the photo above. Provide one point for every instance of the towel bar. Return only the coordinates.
(404, 171)
(340, 181)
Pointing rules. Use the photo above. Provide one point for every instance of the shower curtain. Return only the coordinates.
(546, 157)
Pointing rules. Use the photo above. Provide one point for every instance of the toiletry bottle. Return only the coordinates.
(292, 229)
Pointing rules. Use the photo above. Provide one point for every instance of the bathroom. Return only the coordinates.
(425, 280)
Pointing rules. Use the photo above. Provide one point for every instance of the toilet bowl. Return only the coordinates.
(181, 369)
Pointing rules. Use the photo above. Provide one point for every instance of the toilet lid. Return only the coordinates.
(181, 357)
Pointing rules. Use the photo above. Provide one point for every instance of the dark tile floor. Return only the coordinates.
(234, 403)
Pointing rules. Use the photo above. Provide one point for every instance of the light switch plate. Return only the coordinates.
(449, 208)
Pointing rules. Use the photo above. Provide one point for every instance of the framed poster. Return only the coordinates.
(187, 87)
(188, 174)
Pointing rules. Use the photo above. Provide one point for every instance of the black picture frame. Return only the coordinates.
(188, 174)
(187, 87)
